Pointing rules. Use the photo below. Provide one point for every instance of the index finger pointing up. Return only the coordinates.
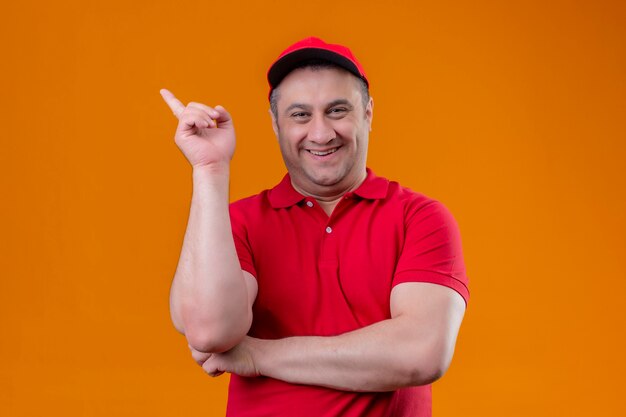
(174, 103)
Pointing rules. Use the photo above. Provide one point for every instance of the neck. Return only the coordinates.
(329, 197)
(329, 206)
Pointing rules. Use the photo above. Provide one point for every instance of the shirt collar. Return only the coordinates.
(284, 195)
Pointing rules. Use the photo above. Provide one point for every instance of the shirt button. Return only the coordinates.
(329, 229)
(309, 203)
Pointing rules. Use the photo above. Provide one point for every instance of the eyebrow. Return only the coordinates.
(341, 101)
(297, 106)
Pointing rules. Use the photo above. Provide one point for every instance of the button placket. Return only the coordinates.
(328, 254)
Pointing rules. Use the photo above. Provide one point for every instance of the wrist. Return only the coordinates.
(217, 174)
(258, 349)
(213, 169)
(211, 179)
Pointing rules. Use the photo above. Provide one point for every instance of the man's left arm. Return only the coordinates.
(413, 347)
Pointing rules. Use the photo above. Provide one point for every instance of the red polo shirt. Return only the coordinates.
(324, 276)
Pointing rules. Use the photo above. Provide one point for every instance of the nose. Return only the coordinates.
(321, 130)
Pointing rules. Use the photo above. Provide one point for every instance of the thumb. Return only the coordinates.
(211, 367)
(175, 104)
(224, 119)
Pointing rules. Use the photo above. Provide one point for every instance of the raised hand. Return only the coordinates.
(205, 135)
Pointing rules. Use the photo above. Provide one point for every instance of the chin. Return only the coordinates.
(324, 177)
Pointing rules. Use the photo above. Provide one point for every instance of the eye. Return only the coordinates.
(299, 115)
(337, 111)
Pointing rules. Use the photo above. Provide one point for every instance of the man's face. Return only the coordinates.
(322, 128)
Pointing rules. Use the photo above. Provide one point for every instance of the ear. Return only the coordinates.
(369, 112)
(274, 123)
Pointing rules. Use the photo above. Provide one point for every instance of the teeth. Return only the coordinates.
(318, 153)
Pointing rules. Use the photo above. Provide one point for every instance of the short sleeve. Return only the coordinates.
(240, 236)
(432, 249)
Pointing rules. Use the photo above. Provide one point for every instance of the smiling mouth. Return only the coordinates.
(322, 153)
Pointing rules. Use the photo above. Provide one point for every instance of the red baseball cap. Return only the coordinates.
(313, 48)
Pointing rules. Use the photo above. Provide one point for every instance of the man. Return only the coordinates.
(337, 292)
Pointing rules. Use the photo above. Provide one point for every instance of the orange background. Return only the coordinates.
(511, 113)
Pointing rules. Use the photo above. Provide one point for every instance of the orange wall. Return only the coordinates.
(511, 113)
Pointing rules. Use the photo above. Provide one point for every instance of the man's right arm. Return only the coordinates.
(211, 297)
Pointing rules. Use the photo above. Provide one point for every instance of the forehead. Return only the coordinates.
(318, 86)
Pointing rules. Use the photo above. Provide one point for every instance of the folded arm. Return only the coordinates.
(413, 347)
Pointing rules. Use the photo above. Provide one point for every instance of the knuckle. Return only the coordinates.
(188, 116)
(197, 105)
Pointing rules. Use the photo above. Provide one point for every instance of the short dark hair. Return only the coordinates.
(315, 65)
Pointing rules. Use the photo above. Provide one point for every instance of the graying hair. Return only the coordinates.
(316, 65)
